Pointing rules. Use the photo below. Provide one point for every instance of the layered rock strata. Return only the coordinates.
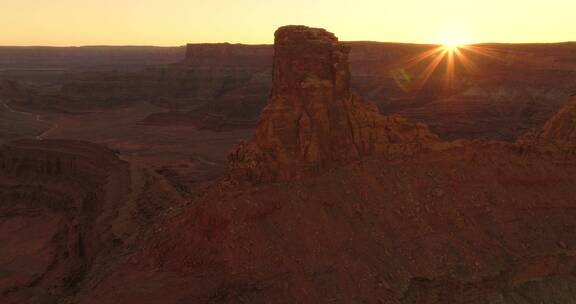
(67, 208)
(313, 119)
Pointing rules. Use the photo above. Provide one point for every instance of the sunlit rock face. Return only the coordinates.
(312, 118)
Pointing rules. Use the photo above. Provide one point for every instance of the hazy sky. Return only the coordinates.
(176, 22)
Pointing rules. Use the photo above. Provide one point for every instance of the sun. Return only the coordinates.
(452, 41)
(451, 45)
(448, 52)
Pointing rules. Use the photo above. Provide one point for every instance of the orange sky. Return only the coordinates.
(176, 22)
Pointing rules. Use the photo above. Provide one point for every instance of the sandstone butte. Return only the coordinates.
(333, 203)
(313, 120)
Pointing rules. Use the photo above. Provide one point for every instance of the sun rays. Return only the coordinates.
(444, 62)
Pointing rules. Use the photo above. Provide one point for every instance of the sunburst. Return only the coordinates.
(453, 53)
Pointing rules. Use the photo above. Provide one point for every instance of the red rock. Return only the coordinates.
(557, 138)
(65, 208)
(450, 222)
(312, 119)
(561, 129)
(447, 222)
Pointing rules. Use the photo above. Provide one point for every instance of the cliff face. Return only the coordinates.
(312, 118)
(67, 207)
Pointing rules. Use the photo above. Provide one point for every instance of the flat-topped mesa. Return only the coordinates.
(228, 55)
(312, 119)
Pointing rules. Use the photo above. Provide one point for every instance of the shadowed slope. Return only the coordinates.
(66, 208)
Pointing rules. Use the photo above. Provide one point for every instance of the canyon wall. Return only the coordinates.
(66, 209)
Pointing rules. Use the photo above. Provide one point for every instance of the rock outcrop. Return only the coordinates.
(557, 138)
(561, 129)
(313, 119)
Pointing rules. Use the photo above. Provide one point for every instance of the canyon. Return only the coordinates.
(503, 91)
(313, 171)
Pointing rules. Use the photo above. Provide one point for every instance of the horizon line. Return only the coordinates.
(259, 44)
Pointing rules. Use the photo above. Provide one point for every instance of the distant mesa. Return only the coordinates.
(226, 54)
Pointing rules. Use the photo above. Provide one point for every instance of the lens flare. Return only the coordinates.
(454, 54)
(452, 61)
